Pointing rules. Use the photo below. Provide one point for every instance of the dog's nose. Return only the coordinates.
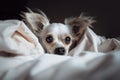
(60, 51)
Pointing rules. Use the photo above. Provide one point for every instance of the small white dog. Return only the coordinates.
(57, 38)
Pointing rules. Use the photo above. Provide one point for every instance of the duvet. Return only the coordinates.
(23, 58)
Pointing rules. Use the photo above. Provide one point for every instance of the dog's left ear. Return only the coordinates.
(79, 24)
(36, 21)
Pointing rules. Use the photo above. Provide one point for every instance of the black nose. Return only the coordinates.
(60, 51)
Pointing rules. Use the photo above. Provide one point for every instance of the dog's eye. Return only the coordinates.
(49, 39)
(67, 40)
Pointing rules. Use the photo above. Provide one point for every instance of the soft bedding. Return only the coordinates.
(23, 58)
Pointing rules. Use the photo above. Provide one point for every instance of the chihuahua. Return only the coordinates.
(57, 38)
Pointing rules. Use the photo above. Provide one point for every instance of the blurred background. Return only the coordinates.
(106, 12)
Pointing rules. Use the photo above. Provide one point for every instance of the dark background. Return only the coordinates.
(107, 12)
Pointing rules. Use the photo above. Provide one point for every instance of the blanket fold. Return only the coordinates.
(95, 43)
(16, 38)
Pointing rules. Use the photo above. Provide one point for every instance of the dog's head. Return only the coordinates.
(57, 38)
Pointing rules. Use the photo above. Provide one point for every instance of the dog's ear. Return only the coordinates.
(79, 24)
(36, 21)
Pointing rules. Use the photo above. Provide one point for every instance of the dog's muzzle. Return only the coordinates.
(60, 51)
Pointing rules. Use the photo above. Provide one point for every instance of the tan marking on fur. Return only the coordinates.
(48, 34)
(52, 44)
(35, 20)
(63, 39)
(82, 22)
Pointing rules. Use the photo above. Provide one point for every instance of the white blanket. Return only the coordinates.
(94, 58)
(16, 38)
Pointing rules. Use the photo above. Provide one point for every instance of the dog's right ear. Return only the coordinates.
(36, 21)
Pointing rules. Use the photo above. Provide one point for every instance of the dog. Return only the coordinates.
(57, 38)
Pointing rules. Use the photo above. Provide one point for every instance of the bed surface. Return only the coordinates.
(94, 58)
